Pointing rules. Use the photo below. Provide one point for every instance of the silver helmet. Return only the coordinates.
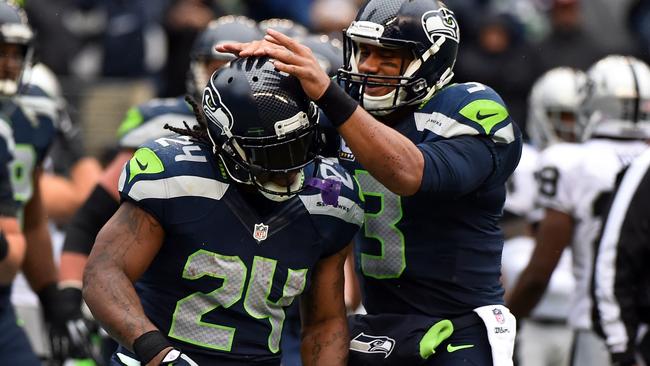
(553, 107)
(617, 99)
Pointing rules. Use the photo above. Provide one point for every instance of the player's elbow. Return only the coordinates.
(404, 182)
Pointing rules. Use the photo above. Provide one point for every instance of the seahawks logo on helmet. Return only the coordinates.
(372, 344)
(441, 23)
(216, 111)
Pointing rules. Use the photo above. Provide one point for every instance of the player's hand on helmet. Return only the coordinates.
(290, 56)
(176, 357)
(69, 331)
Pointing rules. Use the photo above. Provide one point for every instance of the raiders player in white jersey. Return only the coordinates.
(575, 188)
(544, 338)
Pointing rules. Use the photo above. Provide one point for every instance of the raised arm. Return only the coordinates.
(325, 339)
(388, 155)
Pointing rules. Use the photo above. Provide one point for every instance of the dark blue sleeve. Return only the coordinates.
(456, 166)
(8, 205)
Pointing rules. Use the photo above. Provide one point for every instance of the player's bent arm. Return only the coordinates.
(15, 250)
(124, 248)
(325, 339)
(102, 203)
(388, 155)
(39, 267)
(111, 176)
(553, 236)
(62, 196)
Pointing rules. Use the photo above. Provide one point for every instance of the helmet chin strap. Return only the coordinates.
(281, 194)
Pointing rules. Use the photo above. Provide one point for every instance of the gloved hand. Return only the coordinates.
(69, 331)
(177, 358)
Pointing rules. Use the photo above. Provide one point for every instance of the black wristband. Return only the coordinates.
(336, 104)
(148, 345)
(4, 246)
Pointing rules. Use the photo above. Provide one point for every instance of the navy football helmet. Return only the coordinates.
(328, 52)
(427, 28)
(205, 59)
(16, 47)
(261, 124)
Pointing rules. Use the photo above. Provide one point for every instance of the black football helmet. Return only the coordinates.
(285, 26)
(261, 123)
(225, 29)
(328, 51)
(14, 31)
(425, 27)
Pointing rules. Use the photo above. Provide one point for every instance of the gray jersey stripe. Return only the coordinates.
(347, 210)
(181, 186)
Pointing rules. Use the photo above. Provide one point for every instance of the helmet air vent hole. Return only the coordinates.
(230, 80)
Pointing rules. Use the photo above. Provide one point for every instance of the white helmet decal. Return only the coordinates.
(441, 23)
(216, 111)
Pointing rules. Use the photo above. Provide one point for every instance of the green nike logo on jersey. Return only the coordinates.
(144, 161)
(451, 348)
(485, 112)
(480, 116)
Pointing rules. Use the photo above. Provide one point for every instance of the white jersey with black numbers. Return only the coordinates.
(521, 187)
(578, 179)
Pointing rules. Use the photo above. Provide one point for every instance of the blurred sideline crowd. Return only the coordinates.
(100, 59)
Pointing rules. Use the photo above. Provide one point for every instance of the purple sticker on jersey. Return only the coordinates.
(330, 189)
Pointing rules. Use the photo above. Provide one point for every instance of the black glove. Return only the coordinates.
(177, 358)
(70, 332)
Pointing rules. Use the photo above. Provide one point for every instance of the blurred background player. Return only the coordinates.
(14, 343)
(241, 188)
(575, 183)
(33, 115)
(621, 273)
(544, 338)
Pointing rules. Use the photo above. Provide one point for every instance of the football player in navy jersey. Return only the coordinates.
(143, 122)
(220, 229)
(432, 159)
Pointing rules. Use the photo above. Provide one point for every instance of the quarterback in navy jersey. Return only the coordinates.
(221, 229)
(432, 160)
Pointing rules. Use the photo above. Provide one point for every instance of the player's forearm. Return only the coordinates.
(39, 267)
(325, 343)
(526, 294)
(388, 155)
(10, 264)
(110, 295)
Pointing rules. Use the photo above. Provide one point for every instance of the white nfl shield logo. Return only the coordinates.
(260, 232)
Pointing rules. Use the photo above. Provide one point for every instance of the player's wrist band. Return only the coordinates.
(337, 105)
(148, 345)
(4, 246)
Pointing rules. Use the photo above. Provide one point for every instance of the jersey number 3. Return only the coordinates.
(382, 226)
(187, 324)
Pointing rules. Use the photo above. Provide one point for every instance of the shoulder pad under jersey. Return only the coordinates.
(350, 200)
(147, 120)
(170, 167)
(466, 109)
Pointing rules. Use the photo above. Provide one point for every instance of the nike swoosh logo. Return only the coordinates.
(480, 116)
(451, 348)
(142, 166)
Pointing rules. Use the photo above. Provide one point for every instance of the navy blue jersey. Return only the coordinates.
(7, 203)
(226, 272)
(438, 252)
(146, 121)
